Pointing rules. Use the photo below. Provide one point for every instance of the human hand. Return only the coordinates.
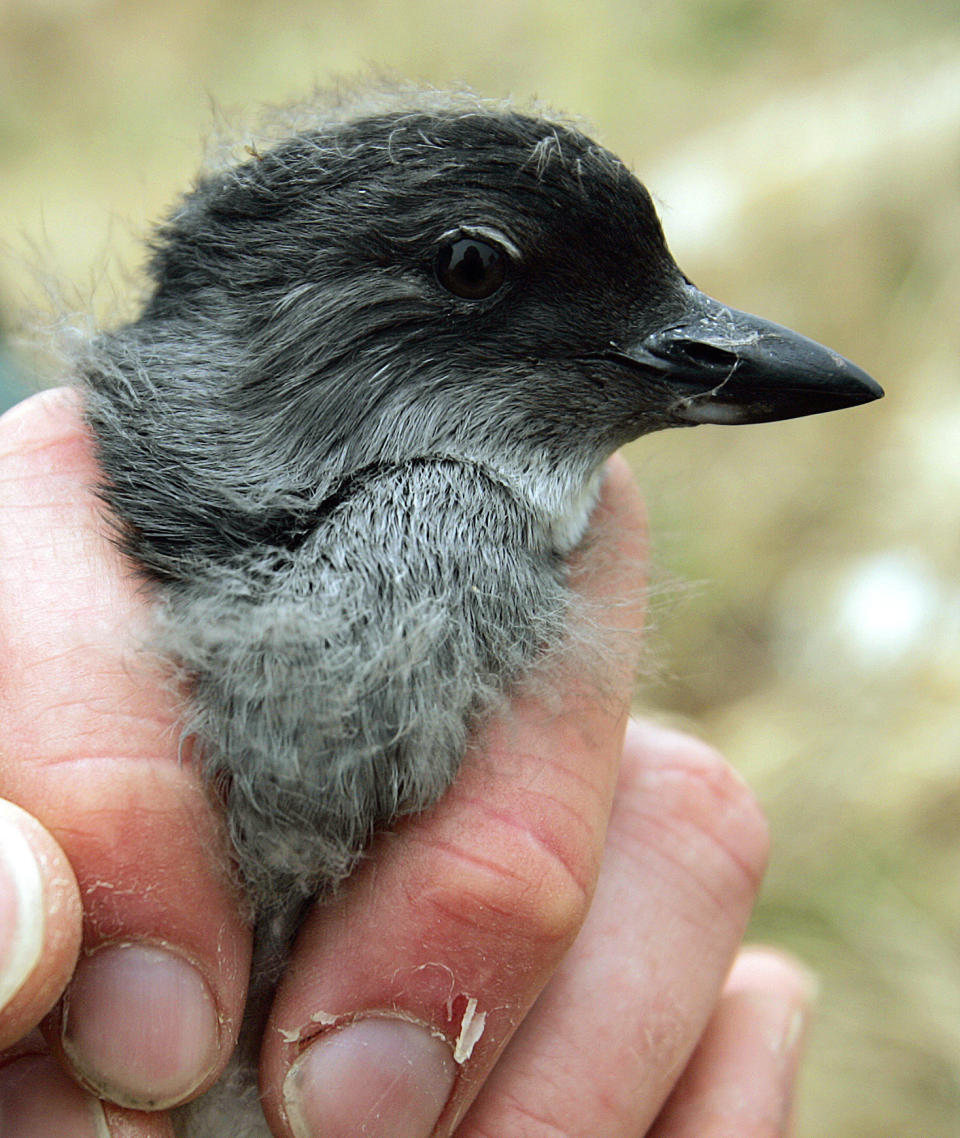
(478, 900)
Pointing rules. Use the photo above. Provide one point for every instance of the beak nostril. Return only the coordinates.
(705, 355)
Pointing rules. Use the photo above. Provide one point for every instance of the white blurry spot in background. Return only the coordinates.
(889, 612)
(886, 608)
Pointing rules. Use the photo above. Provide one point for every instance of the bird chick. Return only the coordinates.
(360, 423)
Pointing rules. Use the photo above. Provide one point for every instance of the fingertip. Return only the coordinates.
(741, 1077)
(622, 505)
(46, 417)
(40, 922)
(37, 1097)
(715, 795)
(620, 479)
(768, 969)
(608, 574)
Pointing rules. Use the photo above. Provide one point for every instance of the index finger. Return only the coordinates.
(90, 749)
(402, 994)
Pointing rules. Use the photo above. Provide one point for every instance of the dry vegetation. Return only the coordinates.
(808, 158)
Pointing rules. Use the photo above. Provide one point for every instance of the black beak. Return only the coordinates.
(718, 365)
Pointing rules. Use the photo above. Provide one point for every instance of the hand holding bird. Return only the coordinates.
(354, 438)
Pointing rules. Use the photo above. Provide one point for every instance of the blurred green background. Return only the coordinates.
(806, 158)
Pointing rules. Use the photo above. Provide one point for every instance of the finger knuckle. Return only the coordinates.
(516, 883)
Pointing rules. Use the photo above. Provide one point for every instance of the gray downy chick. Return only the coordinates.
(355, 432)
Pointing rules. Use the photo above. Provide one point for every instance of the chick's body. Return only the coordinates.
(353, 487)
(336, 684)
(358, 427)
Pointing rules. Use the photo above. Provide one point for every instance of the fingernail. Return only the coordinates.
(379, 1077)
(22, 913)
(38, 1098)
(140, 1026)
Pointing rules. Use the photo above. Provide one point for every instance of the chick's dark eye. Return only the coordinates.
(471, 269)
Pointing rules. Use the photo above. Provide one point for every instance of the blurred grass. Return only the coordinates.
(808, 163)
